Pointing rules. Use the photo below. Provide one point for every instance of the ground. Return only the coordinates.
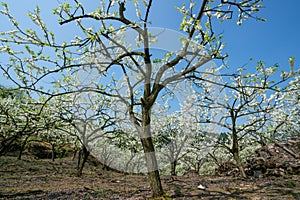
(31, 178)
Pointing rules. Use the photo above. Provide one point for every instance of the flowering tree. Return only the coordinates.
(9, 133)
(246, 107)
(22, 121)
(35, 54)
(85, 116)
(53, 126)
(171, 140)
(177, 134)
(284, 120)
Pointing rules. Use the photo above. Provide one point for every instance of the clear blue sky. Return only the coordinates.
(273, 41)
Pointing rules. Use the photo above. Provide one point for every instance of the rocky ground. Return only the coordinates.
(30, 178)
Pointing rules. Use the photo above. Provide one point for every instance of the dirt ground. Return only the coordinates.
(43, 179)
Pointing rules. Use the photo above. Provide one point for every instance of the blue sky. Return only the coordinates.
(273, 41)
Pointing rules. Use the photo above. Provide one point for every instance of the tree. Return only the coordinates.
(285, 118)
(86, 117)
(105, 51)
(246, 107)
(125, 149)
(9, 103)
(53, 132)
(23, 121)
(176, 134)
(171, 140)
(16, 122)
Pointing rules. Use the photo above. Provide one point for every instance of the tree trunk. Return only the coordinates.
(79, 159)
(173, 167)
(74, 154)
(6, 143)
(236, 154)
(240, 165)
(128, 162)
(53, 152)
(85, 154)
(235, 144)
(22, 148)
(151, 161)
(152, 167)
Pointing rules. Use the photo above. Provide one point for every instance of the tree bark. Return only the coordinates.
(173, 167)
(6, 143)
(79, 159)
(152, 167)
(22, 148)
(239, 164)
(53, 152)
(151, 161)
(128, 162)
(84, 154)
(74, 154)
(236, 153)
(235, 144)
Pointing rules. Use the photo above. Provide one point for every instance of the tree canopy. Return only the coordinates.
(120, 58)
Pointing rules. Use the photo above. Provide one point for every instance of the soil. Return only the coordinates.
(31, 178)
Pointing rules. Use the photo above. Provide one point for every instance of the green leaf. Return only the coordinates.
(55, 11)
(292, 60)
(4, 4)
(37, 9)
(157, 60)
